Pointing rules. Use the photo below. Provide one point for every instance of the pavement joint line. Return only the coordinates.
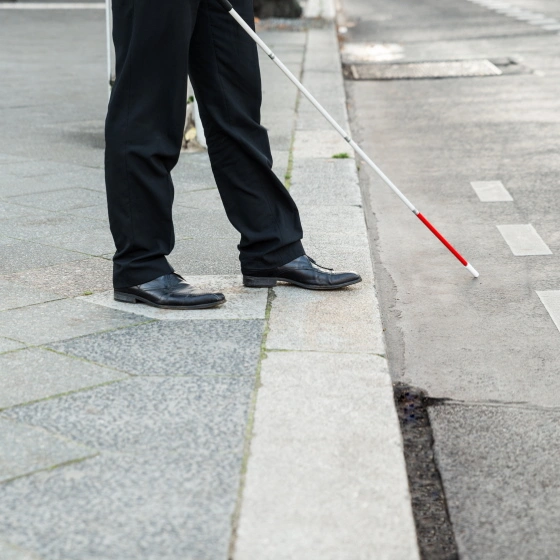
(435, 402)
(73, 391)
(52, 468)
(32, 304)
(523, 240)
(250, 425)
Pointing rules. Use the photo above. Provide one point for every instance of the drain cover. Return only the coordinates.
(423, 70)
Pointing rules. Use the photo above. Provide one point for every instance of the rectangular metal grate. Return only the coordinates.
(423, 70)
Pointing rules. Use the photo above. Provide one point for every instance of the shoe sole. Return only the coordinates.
(129, 298)
(257, 282)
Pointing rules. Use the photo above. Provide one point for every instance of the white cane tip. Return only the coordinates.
(472, 270)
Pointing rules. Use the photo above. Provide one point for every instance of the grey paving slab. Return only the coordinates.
(320, 144)
(324, 220)
(26, 449)
(125, 507)
(43, 226)
(207, 198)
(60, 200)
(151, 416)
(18, 255)
(165, 488)
(11, 552)
(96, 241)
(326, 479)
(499, 466)
(326, 321)
(212, 347)
(341, 252)
(58, 320)
(193, 172)
(9, 211)
(83, 177)
(97, 212)
(195, 223)
(241, 302)
(68, 279)
(216, 256)
(8, 345)
(14, 295)
(33, 374)
(325, 182)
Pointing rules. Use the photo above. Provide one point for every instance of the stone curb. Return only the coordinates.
(326, 477)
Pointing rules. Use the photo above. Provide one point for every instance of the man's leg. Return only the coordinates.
(224, 70)
(144, 130)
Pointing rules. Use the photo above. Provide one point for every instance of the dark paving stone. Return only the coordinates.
(501, 476)
(164, 489)
(205, 347)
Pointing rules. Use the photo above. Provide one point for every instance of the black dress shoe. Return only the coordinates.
(169, 292)
(303, 272)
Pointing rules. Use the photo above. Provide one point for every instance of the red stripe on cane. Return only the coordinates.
(442, 239)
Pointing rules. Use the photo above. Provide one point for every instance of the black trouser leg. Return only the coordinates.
(144, 132)
(224, 70)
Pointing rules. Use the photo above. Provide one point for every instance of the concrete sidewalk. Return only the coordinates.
(261, 430)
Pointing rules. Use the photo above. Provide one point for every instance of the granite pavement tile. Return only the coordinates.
(59, 320)
(325, 182)
(324, 220)
(125, 507)
(216, 256)
(195, 223)
(241, 302)
(60, 200)
(40, 227)
(499, 464)
(68, 279)
(320, 144)
(165, 486)
(208, 198)
(13, 295)
(326, 321)
(84, 177)
(96, 241)
(7, 345)
(34, 373)
(193, 172)
(11, 552)
(151, 416)
(10, 211)
(27, 449)
(16, 255)
(98, 212)
(175, 348)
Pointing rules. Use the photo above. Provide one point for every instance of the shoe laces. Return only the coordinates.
(316, 264)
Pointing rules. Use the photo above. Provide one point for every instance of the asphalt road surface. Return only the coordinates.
(488, 349)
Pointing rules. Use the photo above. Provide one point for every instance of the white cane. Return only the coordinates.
(228, 7)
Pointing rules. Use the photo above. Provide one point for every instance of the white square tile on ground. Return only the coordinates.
(491, 191)
(523, 240)
(551, 300)
(241, 302)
